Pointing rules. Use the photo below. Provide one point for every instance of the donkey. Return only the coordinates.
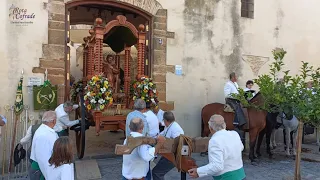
(291, 130)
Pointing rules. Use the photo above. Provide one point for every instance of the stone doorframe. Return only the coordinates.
(55, 60)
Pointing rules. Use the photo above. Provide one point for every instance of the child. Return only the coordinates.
(61, 160)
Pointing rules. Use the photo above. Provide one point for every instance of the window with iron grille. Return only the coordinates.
(247, 8)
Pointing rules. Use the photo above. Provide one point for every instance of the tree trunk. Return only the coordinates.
(297, 173)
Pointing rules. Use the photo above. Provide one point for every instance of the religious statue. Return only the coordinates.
(111, 72)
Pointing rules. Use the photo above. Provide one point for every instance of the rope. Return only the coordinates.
(182, 141)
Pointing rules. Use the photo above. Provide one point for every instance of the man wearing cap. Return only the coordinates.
(63, 120)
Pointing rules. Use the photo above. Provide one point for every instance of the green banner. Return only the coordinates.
(45, 97)
(19, 98)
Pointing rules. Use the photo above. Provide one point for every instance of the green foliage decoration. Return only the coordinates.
(289, 94)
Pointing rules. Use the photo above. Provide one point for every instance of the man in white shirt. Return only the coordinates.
(159, 113)
(136, 165)
(225, 153)
(172, 130)
(139, 108)
(42, 146)
(153, 123)
(231, 87)
(153, 127)
(63, 120)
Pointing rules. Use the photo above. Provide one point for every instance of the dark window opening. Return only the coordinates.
(247, 8)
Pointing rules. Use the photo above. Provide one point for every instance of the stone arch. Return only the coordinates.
(55, 60)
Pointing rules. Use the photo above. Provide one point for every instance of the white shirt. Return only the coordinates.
(63, 120)
(136, 164)
(160, 117)
(153, 123)
(42, 146)
(230, 88)
(247, 89)
(224, 152)
(63, 172)
(172, 131)
(27, 138)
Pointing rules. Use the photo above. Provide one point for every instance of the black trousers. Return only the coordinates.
(239, 117)
(161, 169)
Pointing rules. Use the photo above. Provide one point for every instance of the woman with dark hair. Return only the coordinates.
(61, 160)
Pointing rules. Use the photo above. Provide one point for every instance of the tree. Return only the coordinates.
(290, 95)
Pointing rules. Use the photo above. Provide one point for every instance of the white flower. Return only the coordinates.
(101, 101)
(93, 101)
(88, 94)
(154, 91)
(103, 89)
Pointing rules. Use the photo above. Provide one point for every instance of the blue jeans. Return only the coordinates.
(161, 169)
(148, 177)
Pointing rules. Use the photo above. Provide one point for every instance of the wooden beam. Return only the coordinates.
(199, 144)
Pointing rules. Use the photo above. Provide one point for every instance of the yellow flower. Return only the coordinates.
(98, 86)
(85, 97)
(106, 86)
(101, 107)
(134, 97)
(106, 83)
(150, 83)
(111, 101)
(89, 107)
(146, 90)
(142, 98)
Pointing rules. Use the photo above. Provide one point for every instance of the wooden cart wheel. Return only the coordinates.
(81, 130)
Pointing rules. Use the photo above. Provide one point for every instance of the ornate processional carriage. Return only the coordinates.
(112, 118)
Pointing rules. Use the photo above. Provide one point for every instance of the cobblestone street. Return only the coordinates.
(275, 169)
(268, 169)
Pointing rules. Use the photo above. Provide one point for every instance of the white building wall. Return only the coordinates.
(212, 40)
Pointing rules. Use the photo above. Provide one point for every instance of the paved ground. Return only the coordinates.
(102, 147)
(267, 169)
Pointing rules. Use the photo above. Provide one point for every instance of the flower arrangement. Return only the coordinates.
(145, 89)
(75, 89)
(98, 93)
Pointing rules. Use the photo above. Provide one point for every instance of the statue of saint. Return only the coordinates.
(111, 71)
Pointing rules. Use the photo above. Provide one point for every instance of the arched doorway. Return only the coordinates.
(78, 12)
(54, 53)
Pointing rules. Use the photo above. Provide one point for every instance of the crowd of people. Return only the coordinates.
(225, 147)
(51, 154)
